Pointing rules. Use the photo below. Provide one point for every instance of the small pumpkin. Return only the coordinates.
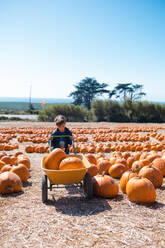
(16, 154)
(91, 158)
(6, 167)
(130, 161)
(23, 159)
(6, 159)
(103, 165)
(3, 153)
(117, 170)
(93, 170)
(137, 165)
(1, 164)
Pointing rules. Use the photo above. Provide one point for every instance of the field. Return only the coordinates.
(70, 220)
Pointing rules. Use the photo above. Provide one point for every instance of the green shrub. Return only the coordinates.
(72, 112)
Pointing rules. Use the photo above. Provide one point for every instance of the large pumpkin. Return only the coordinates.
(153, 174)
(105, 186)
(71, 163)
(54, 158)
(127, 175)
(140, 190)
(22, 171)
(9, 183)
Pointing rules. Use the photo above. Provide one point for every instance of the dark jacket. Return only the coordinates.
(60, 142)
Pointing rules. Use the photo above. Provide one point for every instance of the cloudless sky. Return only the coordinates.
(54, 44)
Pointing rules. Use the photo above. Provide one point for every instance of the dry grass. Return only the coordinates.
(69, 220)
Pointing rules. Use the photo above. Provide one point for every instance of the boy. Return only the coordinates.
(62, 130)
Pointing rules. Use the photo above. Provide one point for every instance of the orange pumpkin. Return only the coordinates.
(152, 157)
(2, 154)
(29, 149)
(54, 158)
(23, 159)
(9, 183)
(127, 175)
(117, 170)
(1, 164)
(91, 158)
(93, 170)
(126, 155)
(105, 186)
(153, 174)
(16, 154)
(6, 159)
(6, 167)
(22, 171)
(160, 164)
(103, 165)
(137, 155)
(140, 190)
(71, 163)
(137, 165)
(130, 161)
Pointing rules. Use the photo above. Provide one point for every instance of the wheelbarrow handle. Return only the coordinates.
(74, 147)
(61, 136)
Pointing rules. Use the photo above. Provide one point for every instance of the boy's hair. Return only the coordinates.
(59, 120)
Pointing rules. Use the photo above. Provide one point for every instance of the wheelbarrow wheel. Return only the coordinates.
(44, 188)
(88, 186)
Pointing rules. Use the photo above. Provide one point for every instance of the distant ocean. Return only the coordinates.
(35, 100)
(48, 100)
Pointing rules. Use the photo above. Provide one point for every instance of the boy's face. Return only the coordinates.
(62, 127)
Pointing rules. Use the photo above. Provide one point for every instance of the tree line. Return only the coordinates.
(122, 104)
(88, 89)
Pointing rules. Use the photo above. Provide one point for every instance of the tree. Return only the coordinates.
(87, 90)
(136, 92)
(112, 93)
(122, 90)
(128, 91)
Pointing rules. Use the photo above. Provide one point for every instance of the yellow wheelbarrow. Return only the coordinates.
(59, 178)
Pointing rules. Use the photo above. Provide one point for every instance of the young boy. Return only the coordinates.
(62, 130)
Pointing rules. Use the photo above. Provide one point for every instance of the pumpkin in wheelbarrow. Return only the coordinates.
(54, 158)
(71, 163)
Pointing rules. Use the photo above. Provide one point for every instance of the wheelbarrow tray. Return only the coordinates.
(66, 176)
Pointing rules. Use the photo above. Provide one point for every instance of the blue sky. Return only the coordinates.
(51, 45)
